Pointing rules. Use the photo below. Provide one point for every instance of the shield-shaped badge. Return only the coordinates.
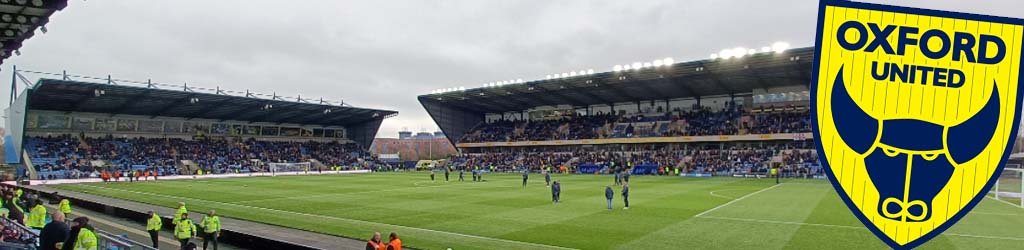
(914, 111)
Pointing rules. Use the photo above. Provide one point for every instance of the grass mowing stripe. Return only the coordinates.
(736, 200)
(337, 218)
(852, 227)
(334, 194)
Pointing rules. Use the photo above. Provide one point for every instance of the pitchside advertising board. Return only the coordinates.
(914, 110)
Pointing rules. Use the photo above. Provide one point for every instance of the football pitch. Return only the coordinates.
(665, 212)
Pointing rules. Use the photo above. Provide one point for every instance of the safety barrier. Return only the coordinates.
(111, 241)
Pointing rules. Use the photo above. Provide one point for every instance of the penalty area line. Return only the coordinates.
(1007, 202)
(341, 219)
(736, 200)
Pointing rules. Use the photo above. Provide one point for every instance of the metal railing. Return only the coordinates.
(111, 241)
(23, 237)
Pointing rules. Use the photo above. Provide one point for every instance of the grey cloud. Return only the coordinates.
(382, 54)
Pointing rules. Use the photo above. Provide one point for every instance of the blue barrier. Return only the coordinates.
(589, 168)
(650, 169)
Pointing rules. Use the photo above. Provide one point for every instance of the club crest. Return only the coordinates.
(914, 112)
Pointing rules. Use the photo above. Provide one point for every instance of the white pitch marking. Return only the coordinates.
(1007, 202)
(734, 201)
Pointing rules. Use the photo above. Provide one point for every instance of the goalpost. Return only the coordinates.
(276, 167)
(1009, 186)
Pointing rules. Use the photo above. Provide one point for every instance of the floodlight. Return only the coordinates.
(668, 61)
(572, 73)
(739, 52)
(766, 49)
(637, 65)
(658, 63)
(779, 47)
(751, 52)
(564, 75)
(462, 88)
(647, 65)
(548, 77)
(714, 56)
(725, 53)
(590, 71)
(520, 80)
(627, 67)
(617, 68)
(582, 72)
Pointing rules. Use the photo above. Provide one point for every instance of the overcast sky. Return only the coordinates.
(382, 54)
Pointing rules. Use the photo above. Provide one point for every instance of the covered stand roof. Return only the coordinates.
(119, 97)
(19, 20)
(458, 111)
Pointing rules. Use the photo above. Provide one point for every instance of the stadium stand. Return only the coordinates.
(731, 120)
(702, 118)
(77, 128)
(66, 156)
(793, 159)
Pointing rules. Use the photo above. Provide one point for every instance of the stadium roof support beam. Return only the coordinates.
(514, 98)
(240, 115)
(715, 78)
(176, 103)
(346, 116)
(557, 93)
(128, 102)
(591, 95)
(208, 109)
(652, 92)
(285, 119)
(682, 85)
(614, 86)
(497, 105)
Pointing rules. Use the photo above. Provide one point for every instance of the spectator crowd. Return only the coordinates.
(791, 158)
(698, 121)
(68, 156)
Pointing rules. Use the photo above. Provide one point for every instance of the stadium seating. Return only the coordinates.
(793, 158)
(697, 121)
(69, 157)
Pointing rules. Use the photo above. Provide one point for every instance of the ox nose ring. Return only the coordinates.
(904, 207)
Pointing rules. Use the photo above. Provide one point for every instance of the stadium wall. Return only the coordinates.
(15, 125)
(365, 132)
(453, 121)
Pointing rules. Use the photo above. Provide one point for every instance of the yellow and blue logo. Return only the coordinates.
(914, 112)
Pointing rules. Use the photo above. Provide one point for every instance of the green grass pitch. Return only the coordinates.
(665, 213)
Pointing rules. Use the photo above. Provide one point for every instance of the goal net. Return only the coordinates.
(278, 167)
(1009, 186)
